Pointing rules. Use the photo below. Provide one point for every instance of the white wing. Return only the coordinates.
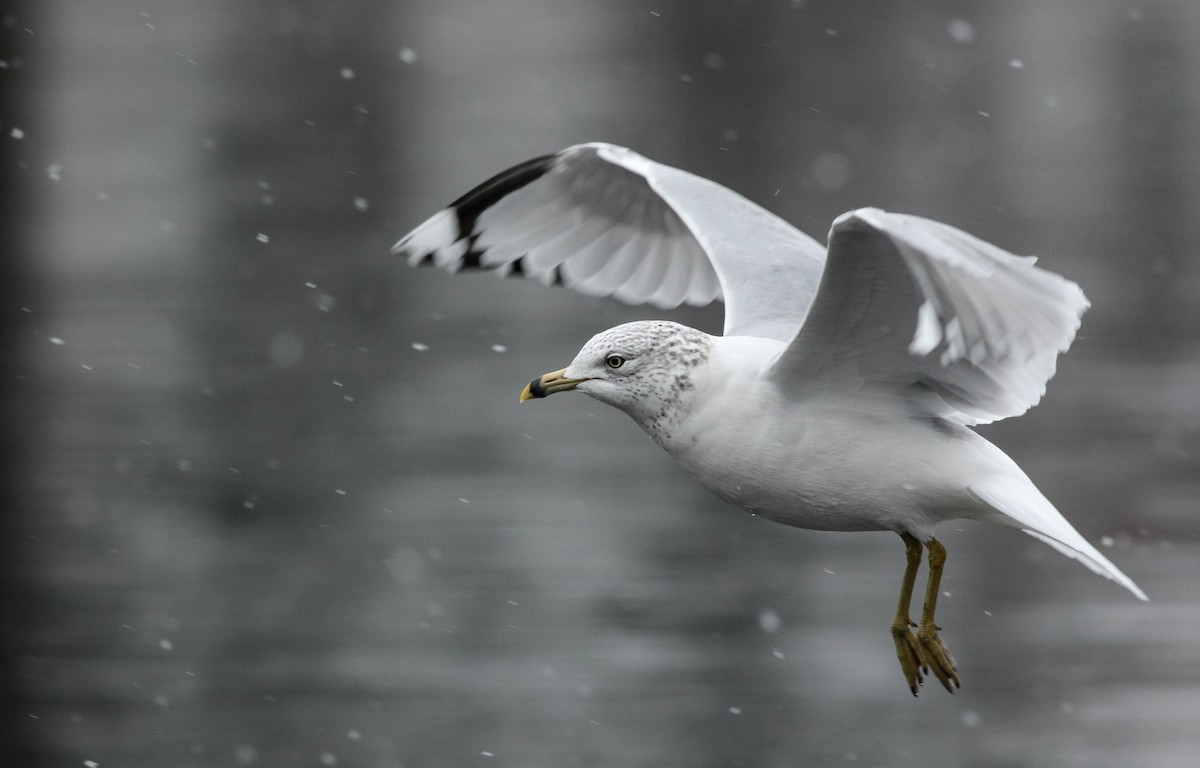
(908, 306)
(606, 221)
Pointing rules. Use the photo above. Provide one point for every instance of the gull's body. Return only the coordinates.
(820, 473)
(841, 394)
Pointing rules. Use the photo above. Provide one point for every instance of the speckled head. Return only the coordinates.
(645, 368)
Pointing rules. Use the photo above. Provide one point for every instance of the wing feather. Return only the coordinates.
(607, 221)
(966, 330)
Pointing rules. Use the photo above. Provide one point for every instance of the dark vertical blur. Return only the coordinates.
(15, 287)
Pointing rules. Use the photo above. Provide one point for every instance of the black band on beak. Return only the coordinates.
(536, 389)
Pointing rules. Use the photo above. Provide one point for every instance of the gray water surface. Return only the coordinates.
(271, 499)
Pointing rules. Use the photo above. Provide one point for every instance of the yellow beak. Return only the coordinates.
(548, 384)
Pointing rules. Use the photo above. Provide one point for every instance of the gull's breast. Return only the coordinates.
(841, 463)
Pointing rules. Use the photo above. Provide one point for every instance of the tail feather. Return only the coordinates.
(1024, 507)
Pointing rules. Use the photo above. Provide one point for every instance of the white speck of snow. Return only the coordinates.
(961, 31)
(514, 602)
(987, 613)
(1107, 541)
(246, 755)
(405, 565)
(971, 718)
(340, 492)
(285, 349)
(1016, 64)
(183, 465)
(407, 55)
(338, 384)
(831, 32)
(487, 754)
(54, 172)
(499, 348)
(419, 346)
(464, 501)
(85, 367)
(361, 203)
(945, 593)
(57, 341)
(831, 170)
(828, 570)
(768, 621)
(328, 758)
(777, 654)
(310, 285)
(981, 113)
(347, 73)
(165, 644)
(91, 764)
(353, 735)
(735, 710)
(260, 237)
(851, 757)
(17, 133)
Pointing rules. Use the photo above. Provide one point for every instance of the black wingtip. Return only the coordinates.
(472, 204)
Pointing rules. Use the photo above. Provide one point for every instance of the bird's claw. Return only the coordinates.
(912, 661)
(937, 659)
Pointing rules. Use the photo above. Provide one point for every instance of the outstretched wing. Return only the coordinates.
(605, 221)
(908, 306)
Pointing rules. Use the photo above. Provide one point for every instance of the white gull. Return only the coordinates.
(841, 394)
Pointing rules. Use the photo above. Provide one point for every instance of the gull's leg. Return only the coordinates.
(935, 653)
(907, 649)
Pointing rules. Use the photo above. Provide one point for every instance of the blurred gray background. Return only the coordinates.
(268, 495)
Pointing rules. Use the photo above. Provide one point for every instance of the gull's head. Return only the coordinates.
(643, 368)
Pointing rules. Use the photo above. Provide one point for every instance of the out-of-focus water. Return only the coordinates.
(271, 499)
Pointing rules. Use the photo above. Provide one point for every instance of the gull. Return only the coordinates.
(840, 396)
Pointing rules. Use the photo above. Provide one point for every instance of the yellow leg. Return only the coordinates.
(907, 648)
(934, 652)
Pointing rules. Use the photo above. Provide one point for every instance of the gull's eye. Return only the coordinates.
(614, 361)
